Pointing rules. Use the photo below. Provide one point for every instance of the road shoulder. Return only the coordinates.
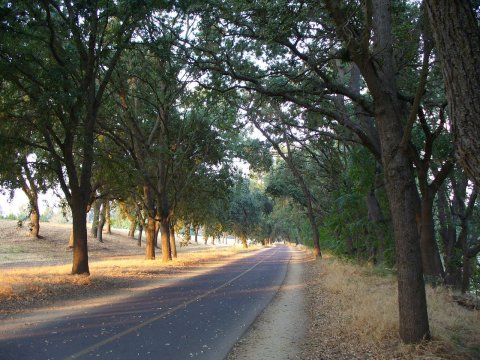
(279, 331)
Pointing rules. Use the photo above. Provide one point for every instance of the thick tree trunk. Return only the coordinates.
(95, 219)
(243, 239)
(34, 222)
(432, 264)
(150, 239)
(165, 240)
(457, 37)
(173, 245)
(80, 249)
(379, 74)
(150, 228)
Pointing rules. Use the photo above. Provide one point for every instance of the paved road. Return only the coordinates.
(200, 317)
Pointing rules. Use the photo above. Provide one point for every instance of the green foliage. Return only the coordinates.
(248, 211)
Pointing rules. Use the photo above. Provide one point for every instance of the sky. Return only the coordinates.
(20, 200)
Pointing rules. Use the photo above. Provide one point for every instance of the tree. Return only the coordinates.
(61, 56)
(247, 210)
(305, 46)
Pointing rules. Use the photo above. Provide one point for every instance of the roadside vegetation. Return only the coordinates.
(357, 121)
(353, 314)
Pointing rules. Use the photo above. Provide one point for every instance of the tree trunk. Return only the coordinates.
(157, 230)
(150, 238)
(173, 245)
(195, 230)
(80, 249)
(243, 239)
(165, 240)
(150, 228)
(101, 221)
(34, 222)
(140, 231)
(131, 230)
(379, 73)
(432, 265)
(29, 187)
(457, 37)
(108, 218)
(95, 219)
(448, 234)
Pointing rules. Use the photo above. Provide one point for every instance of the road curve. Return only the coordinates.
(200, 317)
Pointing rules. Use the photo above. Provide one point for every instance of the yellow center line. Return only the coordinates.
(162, 315)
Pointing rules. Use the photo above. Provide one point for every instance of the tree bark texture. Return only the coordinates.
(35, 222)
(432, 264)
(243, 239)
(80, 249)
(150, 239)
(165, 240)
(457, 38)
(131, 229)
(96, 214)
(151, 222)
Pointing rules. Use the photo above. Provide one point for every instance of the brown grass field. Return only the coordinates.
(354, 314)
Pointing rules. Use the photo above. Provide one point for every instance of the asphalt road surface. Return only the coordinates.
(200, 317)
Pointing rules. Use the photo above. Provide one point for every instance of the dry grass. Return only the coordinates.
(39, 274)
(355, 315)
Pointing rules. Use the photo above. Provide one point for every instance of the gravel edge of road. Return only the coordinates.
(279, 331)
